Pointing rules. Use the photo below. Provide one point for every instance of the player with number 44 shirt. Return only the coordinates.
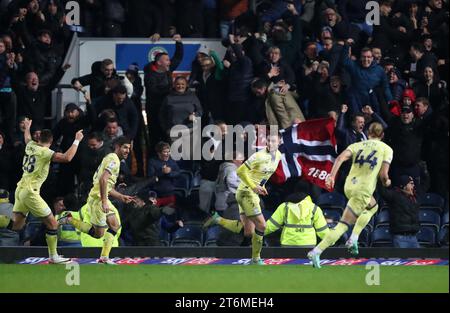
(370, 159)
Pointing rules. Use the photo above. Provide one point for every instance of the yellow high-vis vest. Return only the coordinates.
(301, 223)
(68, 233)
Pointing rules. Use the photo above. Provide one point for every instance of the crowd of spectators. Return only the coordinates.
(288, 62)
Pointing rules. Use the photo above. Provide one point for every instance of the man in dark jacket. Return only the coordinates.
(366, 75)
(73, 121)
(158, 82)
(288, 38)
(359, 126)
(405, 136)
(392, 35)
(404, 211)
(102, 72)
(92, 151)
(421, 59)
(274, 69)
(143, 219)
(125, 109)
(33, 99)
(239, 78)
(40, 56)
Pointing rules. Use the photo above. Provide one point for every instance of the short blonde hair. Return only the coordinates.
(376, 130)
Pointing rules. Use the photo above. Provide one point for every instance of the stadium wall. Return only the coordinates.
(12, 254)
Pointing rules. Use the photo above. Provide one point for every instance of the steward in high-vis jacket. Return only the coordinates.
(68, 235)
(301, 223)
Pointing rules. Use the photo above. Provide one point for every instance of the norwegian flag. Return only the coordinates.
(308, 151)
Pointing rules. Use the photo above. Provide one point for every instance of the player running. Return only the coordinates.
(104, 221)
(370, 159)
(254, 174)
(36, 164)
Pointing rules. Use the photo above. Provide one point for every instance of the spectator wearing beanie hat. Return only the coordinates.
(404, 210)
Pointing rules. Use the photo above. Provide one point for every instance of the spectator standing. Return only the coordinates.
(403, 211)
(158, 83)
(166, 170)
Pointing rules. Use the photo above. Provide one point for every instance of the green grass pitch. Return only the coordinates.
(217, 278)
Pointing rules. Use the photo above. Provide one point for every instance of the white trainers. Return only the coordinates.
(352, 247)
(106, 261)
(58, 259)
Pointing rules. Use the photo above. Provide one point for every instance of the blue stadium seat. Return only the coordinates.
(331, 200)
(364, 237)
(333, 214)
(211, 236)
(432, 201)
(188, 236)
(430, 218)
(444, 220)
(193, 200)
(443, 236)
(164, 237)
(427, 236)
(183, 181)
(371, 224)
(382, 219)
(382, 204)
(196, 178)
(381, 237)
(32, 228)
(9, 238)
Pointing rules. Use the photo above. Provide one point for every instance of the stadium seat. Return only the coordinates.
(430, 218)
(331, 200)
(381, 237)
(333, 214)
(32, 228)
(183, 181)
(180, 195)
(382, 204)
(443, 236)
(382, 219)
(432, 201)
(427, 236)
(371, 224)
(444, 220)
(188, 236)
(192, 201)
(164, 237)
(8, 238)
(196, 178)
(364, 237)
(211, 236)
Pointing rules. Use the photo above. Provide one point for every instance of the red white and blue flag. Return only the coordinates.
(308, 151)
